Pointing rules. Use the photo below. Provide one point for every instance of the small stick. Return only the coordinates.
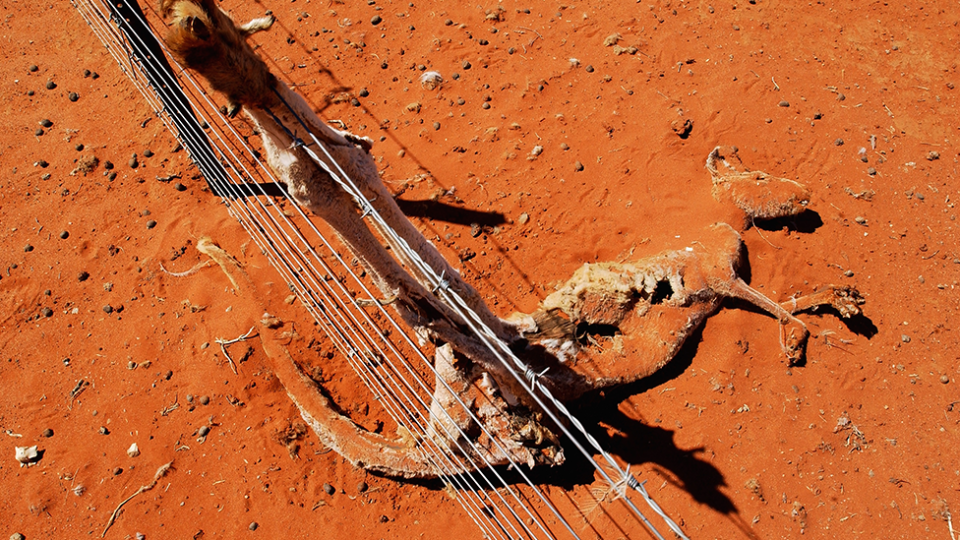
(223, 343)
(775, 85)
(195, 268)
(164, 469)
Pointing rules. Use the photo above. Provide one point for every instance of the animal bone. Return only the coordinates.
(655, 304)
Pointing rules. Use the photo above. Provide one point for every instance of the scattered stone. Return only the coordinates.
(364, 92)
(83, 276)
(861, 220)
(108, 165)
(933, 155)
(148, 153)
(578, 166)
(944, 379)
(523, 219)
(436, 126)
(179, 187)
(612, 40)
(33, 68)
(905, 338)
(131, 365)
(86, 73)
(784, 103)
(203, 431)
(466, 65)
(133, 162)
(64, 235)
(38, 132)
(73, 96)
(204, 400)
(682, 129)
(376, 20)
(329, 489)
(78, 147)
(362, 487)
(28, 248)
(384, 519)
(838, 142)
(589, 69)
(118, 471)
(51, 85)
(47, 433)
(848, 273)
(151, 224)
(871, 171)
(108, 309)
(46, 312)
(485, 105)
(104, 430)
(254, 525)
(43, 164)
(46, 123)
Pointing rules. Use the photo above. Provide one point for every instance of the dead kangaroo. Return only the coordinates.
(651, 306)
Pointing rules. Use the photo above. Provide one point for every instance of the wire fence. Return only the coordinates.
(395, 369)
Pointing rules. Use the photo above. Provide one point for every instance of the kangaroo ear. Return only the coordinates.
(197, 27)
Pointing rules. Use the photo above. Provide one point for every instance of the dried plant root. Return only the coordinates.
(164, 469)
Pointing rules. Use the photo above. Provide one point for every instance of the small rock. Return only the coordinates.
(86, 73)
(203, 431)
(83, 276)
(944, 379)
(133, 162)
(485, 106)
(848, 273)
(784, 103)
(18, 536)
(871, 171)
(436, 126)
(131, 365)
(148, 153)
(204, 400)
(384, 519)
(46, 312)
(28, 248)
(38, 132)
(254, 525)
(447, 22)
(108, 165)
(578, 166)
(905, 338)
(466, 65)
(33, 68)
(51, 85)
(179, 187)
(118, 471)
(838, 142)
(47, 433)
(64, 235)
(376, 20)
(933, 155)
(362, 487)
(27, 455)
(524, 218)
(475, 230)
(104, 430)
(43, 164)
(73, 96)
(46, 123)
(329, 489)
(364, 92)
(108, 309)
(589, 69)
(151, 224)
(861, 220)
(78, 147)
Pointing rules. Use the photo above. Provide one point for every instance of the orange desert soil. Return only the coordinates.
(100, 348)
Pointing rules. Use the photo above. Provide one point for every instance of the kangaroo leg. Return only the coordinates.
(845, 300)
(794, 333)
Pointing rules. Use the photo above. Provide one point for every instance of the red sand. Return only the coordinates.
(731, 442)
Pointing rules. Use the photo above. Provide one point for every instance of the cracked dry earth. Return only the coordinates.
(99, 348)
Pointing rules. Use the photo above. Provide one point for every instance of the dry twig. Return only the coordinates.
(156, 477)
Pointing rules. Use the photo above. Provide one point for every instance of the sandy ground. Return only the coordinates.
(858, 102)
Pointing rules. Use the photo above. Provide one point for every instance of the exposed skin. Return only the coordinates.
(651, 305)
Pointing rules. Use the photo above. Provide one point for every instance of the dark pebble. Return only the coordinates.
(118, 471)
(447, 22)
(784, 104)
(108, 165)
(46, 312)
(30, 92)
(95, 75)
(133, 162)
(484, 42)
(148, 153)
(355, 102)
(46, 122)
(578, 166)
(104, 430)
(64, 235)
(168, 375)
(179, 187)
(589, 69)
(189, 398)
(203, 431)
(384, 519)
(329, 489)
(108, 309)
(383, 65)
(871, 171)
(112, 176)
(28, 248)
(362, 487)
(364, 92)
(864, 158)
(485, 106)
(841, 97)
(511, 50)
(43, 164)
(73, 96)
(51, 85)
(38, 132)
(838, 142)
(475, 230)
(86, 73)
(460, 101)
(905, 338)
(151, 224)
(376, 20)
(817, 116)
(79, 147)
(83, 276)
(253, 526)
(436, 125)
(47, 433)
(204, 400)
(33, 68)
(466, 65)
(47, 292)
